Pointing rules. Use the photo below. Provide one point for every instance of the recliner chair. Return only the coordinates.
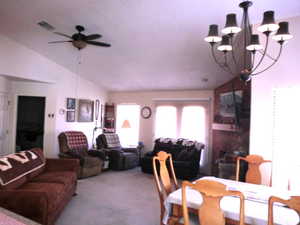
(120, 158)
(74, 144)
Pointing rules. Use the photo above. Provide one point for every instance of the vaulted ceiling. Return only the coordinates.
(156, 45)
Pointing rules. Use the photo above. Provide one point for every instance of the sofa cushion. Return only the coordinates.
(112, 141)
(55, 192)
(67, 178)
(40, 170)
(76, 140)
(15, 168)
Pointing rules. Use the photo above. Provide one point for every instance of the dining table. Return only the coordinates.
(256, 203)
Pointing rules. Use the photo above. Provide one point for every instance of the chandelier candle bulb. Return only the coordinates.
(283, 33)
(268, 25)
(225, 44)
(231, 26)
(213, 34)
(254, 43)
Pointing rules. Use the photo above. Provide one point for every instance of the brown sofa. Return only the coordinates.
(35, 187)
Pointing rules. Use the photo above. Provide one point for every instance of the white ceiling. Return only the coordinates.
(156, 45)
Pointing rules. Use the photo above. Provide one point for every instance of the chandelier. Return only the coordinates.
(240, 47)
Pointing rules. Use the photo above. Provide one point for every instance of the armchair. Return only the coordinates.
(120, 158)
(74, 144)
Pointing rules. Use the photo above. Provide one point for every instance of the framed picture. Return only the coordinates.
(71, 103)
(70, 116)
(85, 110)
(227, 106)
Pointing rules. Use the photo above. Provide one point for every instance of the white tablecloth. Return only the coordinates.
(256, 203)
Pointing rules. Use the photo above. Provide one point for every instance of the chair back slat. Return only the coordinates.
(212, 192)
(165, 183)
(253, 174)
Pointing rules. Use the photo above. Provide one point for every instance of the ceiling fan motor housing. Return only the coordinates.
(79, 44)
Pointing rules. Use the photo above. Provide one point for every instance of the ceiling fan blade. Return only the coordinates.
(102, 44)
(53, 42)
(61, 34)
(92, 37)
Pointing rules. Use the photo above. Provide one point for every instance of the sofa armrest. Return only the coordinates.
(62, 165)
(28, 203)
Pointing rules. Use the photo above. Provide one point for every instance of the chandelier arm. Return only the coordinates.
(268, 55)
(232, 53)
(273, 63)
(263, 55)
(252, 60)
(221, 65)
(226, 64)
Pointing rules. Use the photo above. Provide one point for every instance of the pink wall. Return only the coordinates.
(29, 73)
(284, 74)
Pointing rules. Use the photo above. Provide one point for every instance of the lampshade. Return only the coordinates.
(268, 24)
(283, 33)
(126, 124)
(231, 26)
(213, 35)
(254, 43)
(225, 45)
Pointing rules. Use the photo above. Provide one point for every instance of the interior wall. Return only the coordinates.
(146, 98)
(284, 74)
(50, 80)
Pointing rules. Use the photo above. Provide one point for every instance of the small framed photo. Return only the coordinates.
(70, 116)
(71, 103)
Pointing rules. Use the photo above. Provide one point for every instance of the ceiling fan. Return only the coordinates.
(80, 40)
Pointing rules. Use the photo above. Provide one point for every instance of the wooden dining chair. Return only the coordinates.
(165, 183)
(210, 212)
(253, 174)
(293, 203)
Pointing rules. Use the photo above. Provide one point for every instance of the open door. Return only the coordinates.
(30, 122)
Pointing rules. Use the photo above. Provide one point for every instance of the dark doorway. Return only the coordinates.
(30, 122)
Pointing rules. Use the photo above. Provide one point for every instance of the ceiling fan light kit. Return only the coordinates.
(251, 43)
(80, 40)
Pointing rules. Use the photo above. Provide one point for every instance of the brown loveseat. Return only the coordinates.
(35, 187)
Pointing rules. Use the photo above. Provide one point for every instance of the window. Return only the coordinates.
(181, 122)
(128, 134)
(166, 122)
(193, 123)
(286, 123)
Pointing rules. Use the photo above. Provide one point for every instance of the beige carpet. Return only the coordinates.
(114, 198)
